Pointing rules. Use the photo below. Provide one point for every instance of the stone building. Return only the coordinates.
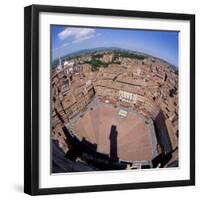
(147, 86)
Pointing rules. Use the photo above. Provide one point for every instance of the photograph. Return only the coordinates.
(109, 99)
(114, 99)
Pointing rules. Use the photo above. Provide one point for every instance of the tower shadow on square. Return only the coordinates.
(113, 143)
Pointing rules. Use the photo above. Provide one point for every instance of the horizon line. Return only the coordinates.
(65, 55)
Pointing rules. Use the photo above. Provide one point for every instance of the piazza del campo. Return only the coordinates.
(113, 109)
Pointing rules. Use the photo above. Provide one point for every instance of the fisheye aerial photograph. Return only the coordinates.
(114, 99)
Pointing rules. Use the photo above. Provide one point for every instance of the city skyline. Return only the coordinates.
(161, 44)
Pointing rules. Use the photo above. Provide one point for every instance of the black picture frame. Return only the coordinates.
(31, 98)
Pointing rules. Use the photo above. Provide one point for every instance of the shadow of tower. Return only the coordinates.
(113, 143)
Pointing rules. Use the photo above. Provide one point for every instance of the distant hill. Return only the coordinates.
(109, 49)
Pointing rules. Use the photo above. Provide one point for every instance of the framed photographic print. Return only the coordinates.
(109, 100)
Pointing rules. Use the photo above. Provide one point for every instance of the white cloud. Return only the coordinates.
(61, 47)
(55, 49)
(76, 34)
(65, 44)
(83, 38)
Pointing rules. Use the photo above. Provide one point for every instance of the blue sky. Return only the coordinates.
(162, 44)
